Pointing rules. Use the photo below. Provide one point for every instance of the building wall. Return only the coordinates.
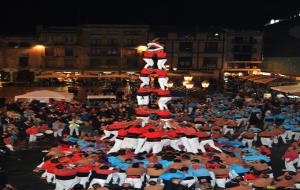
(98, 48)
(281, 47)
(243, 51)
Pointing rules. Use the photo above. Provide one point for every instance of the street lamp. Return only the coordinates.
(141, 48)
(188, 78)
(205, 84)
(188, 85)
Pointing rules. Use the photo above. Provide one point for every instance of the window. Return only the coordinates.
(96, 42)
(186, 35)
(131, 42)
(160, 35)
(242, 57)
(210, 62)
(23, 61)
(69, 39)
(185, 63)
(185, 46)
(112, 61)
(69, 52)
(238, 40)
(49, 51)
(112, 52)
(236, 48)
(12, 45)
(247, 48)
(96, 51)
(24, 44)
(112, 41)
(211, 47)
(48, 39)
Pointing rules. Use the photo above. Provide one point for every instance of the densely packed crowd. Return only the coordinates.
(223, 143)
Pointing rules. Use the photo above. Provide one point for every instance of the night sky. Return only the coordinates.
(22, 16)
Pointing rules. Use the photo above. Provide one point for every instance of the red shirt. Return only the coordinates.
(290, 155)
(32, 131)
(189, 131)
(65, 172)
(49, 166)
(163, 113)
(122, 132)
(153, 135)
(146, 72)
(161, 73)
(84, 169)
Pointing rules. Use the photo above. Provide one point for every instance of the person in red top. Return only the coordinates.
(65, 177)
(162, 79)
(32, 132)
(111, 131)
(101, 175)
(49, 167)
(153, 141)
(143, 97)
(290, 158)
(122, 133)
(144, 77)
(174, 139)
(83, 174)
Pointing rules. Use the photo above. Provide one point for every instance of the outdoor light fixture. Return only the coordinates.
(205, 84)
(174, 68)
(39, 47)
(188, 78)
(184, 82)
(107, 73)
(189, 85)
(141, 48)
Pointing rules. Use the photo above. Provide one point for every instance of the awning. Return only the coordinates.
(290, 89)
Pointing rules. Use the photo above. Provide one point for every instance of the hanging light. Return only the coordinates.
(188, 78)
(189, 85)
(184, 82)
(205, 84)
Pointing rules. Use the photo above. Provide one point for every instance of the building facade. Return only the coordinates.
(281, 47)
(243, 52)
(92, 49)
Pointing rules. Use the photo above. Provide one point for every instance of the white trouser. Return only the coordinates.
(129, 143)
(145, 120)
(117, 146)
(140, 143)
(65, 184)
(109, 133)
(221, 182)
(297, 136)
(102, 182)
(174, 143)
(155, 146)
(50, 177)
(32, 138)
(162, 102)
(210, 143)
(149, 62)
(134, 182)
(188, 183)
(194, 144)
(289, 134)
(297, 185)
(163, 83)
(58, 132)
(186, 144)
(142, 100)
(145, 81)
(10, 147)
(248, 142)
(119, 178)
(266, 141)
(165, 142)
(76, 129)
(298, 162)
(161, 64)
(167, 124)
(228, 130)
(289, 165)
(83, 180)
